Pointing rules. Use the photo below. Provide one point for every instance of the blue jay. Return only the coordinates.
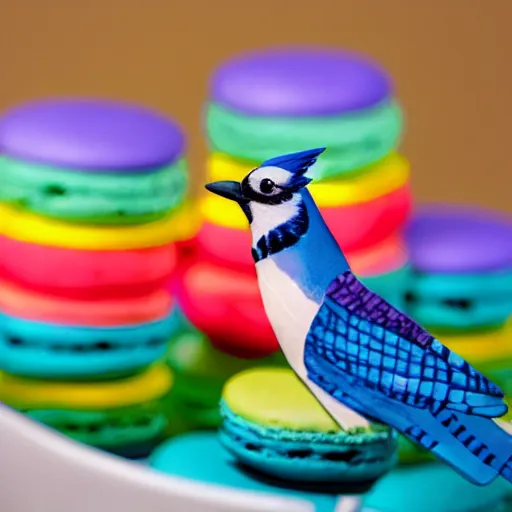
(363, 359)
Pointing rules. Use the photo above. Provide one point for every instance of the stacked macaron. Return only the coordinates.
(92, 200)
(274, 102)
(461, 284)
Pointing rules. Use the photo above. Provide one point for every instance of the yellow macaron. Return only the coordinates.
(23, 393)
(32, 228)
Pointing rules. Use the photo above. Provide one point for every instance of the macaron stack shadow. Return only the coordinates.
(461, 284)
(277, 101)
(93, 197)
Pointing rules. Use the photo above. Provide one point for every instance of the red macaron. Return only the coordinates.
(226, 305)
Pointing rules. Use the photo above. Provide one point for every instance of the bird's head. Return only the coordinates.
(272, 195)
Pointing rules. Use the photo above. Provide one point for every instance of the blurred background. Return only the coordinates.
(450, 62)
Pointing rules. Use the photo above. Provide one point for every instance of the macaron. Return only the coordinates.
(273, 424)
(200, 457)
(282, 100)
(86, 274)
(50, 350)
(222, 303)
(200, 371)
(355, 226)
(462, 261)
(92, 161)
(434, 487)
(124, 416)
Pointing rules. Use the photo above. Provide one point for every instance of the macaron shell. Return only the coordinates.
(22, 303)
(138, 389)
(86, 274)
(445, 239)
(376, 180)
(221, 303)
(354, 140)
(93, 134)
(354, 226)
(277, 398)
(305, 81)
(98, 199)
(200, 457)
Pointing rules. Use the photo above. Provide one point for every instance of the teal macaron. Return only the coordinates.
(273, 424)
(200, 457)
(434, 487)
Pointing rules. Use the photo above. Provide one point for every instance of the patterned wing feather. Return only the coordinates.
(365, 337)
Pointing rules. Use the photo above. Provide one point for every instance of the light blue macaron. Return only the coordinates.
(434, 487)
(45, 350)
(200, 457)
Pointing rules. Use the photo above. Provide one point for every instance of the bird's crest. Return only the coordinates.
(296, 163)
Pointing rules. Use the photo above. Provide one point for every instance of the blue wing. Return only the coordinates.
(368, 339)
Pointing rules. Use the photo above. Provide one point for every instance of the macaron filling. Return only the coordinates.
(354, 140)
(100, 198)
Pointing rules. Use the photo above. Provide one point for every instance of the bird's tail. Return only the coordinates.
(476, 447)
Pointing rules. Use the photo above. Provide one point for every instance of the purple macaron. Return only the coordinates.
(453, 239)
(90, 134)
(462, 268)
(300, 82)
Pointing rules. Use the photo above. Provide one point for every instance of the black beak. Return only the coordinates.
(228, 189)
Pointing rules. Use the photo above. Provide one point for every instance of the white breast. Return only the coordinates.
(290, 312)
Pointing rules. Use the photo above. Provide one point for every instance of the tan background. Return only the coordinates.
(450, 59)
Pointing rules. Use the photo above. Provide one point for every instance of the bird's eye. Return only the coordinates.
(267, 186)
